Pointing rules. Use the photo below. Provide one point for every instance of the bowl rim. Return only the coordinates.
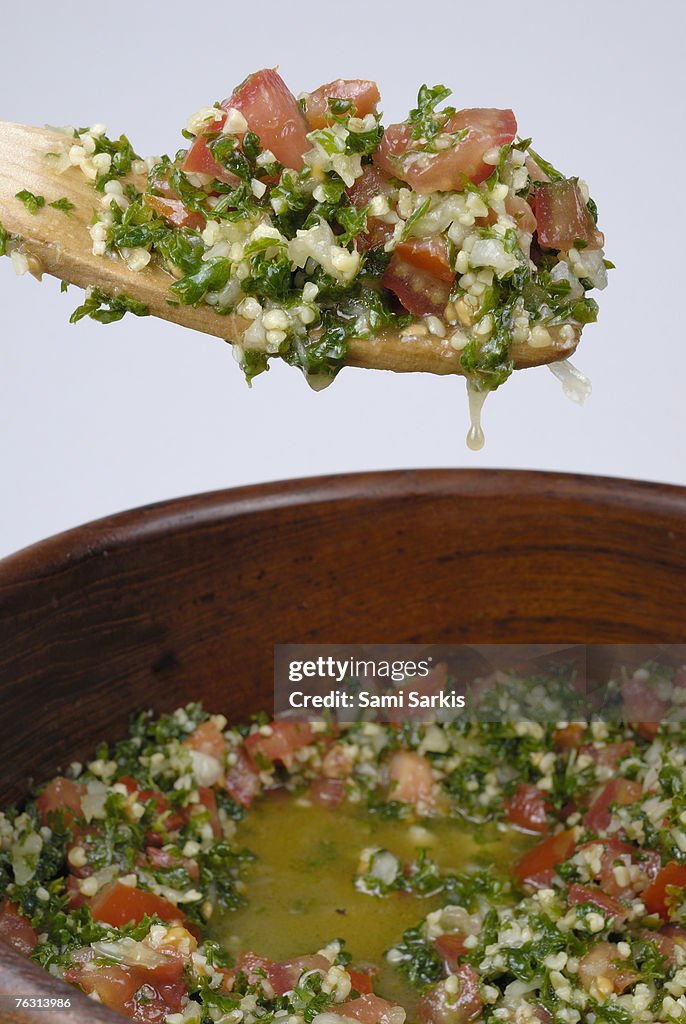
(173, 515)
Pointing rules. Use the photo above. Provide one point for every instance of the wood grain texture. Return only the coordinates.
(184, 600)
(63, 248)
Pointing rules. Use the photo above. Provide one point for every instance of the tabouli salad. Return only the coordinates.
(315, 224)
(118, 875)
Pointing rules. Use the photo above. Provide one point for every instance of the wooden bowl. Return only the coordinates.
(185, 599)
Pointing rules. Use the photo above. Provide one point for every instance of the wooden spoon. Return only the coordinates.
(59, 244)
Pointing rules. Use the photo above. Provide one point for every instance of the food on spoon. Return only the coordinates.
(307, 225)
(512, 870)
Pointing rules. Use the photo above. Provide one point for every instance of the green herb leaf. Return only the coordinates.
(63, 204)
(212, 276)
(32, 203)
(426, 123)
(107, 309)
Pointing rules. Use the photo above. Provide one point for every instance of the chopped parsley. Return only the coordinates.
(312, 244)
(63, 204)
(32, 203)
(107, 309)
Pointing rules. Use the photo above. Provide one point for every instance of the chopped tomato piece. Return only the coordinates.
(173, 210)
(281, 743)
(662, 892)
(199, 158)
(667, 939)
(570, 737)
(370, 1009)
(614, 853)
(450, 948)
(327, 792)
(272, 112)
(162, 859)
(642, 706)
(362, 979)
(603, 960)
(578, 894)
(207, 739)
(172, 820)
(284, 975)
(61, 794)
(120, 904)
(208, 802)
(372, 182)
(419, 274)
(16, 930)
(610, 755)
(521, 212)
(536, 867)
(478, 130)
(242, 781)
(363, 94)
(617, 791)
(410, 777)
(563, 217)
(439, 1006)
(140, 994)
(75, 897)
(528, 808)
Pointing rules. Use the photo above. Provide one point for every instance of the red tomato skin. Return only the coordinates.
(61, 794)
(282, 743)
(367, 1009)
(616, 791)
(116, 987)
(273, 113)
(578, 894)
(562, 217)
(438, 1007)
(208, 801)
(450, 948)
(362, 979)
(447, 170)
(16, 930)
(199, 159)
(364, 95)
(119, 904)
(327, 792)
(656, 896)
(419, 275)
(242, 781)
(535, 868)
(283, 975)
(527, 808)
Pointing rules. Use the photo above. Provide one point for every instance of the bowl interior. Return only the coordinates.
(185, 600)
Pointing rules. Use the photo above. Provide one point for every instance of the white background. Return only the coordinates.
(96, 419)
